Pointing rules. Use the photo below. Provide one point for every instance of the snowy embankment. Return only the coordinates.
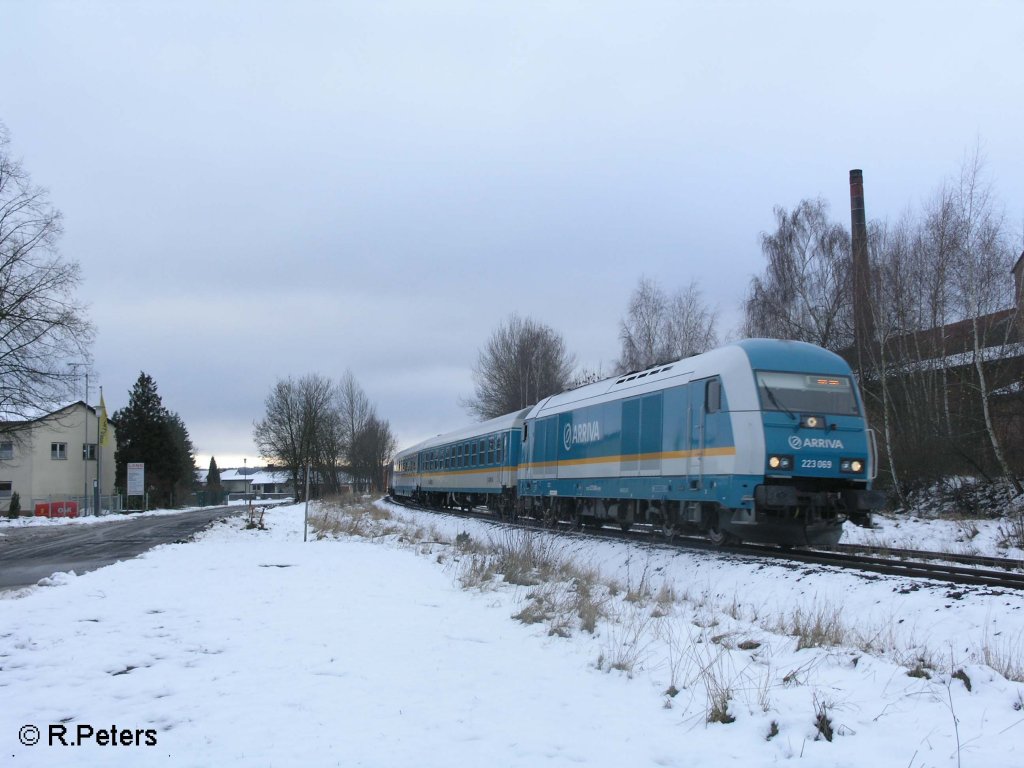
(251, 647)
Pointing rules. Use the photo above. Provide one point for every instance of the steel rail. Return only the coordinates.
(907, 563)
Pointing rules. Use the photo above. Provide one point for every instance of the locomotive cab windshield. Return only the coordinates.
(794, 393)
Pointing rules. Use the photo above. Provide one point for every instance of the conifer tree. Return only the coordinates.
(147, 432)
(213, 485)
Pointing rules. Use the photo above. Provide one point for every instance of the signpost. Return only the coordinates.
(137, 480)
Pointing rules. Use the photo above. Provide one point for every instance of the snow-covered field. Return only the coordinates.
(251, 647)
(967, 536)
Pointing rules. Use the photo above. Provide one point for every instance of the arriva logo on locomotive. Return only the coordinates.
(796, 443)
(575, 434)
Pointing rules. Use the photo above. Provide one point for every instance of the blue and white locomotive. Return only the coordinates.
(761, 441)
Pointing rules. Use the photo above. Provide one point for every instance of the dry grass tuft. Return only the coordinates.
(822, 719)
(815, 627)
(348, 516)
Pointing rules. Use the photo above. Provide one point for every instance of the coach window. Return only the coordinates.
(498, 449)
(472, 453)
(483, 451)
(490, 450)
(714, 396)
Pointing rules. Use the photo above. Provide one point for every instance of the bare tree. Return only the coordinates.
(644, 331)
(523, 362)
(658, 327)
(947, 348)
(373, 450)
(692, 323)
(981, 287)
(804, 293)
(42, 325)
(292, 432)
(354, 411)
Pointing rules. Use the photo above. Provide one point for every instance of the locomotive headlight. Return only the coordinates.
(784, 463)
(852, 466)
(812, 422)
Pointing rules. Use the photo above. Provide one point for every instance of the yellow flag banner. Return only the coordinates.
(103, 420)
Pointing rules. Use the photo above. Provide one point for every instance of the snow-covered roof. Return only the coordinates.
(253, 475)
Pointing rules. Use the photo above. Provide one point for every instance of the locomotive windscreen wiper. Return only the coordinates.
(775, 401)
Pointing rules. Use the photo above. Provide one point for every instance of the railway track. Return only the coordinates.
(965, 570)
(909, 563)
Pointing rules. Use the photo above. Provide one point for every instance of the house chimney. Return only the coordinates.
(864, 330)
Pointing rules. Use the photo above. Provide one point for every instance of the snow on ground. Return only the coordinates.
(252, 647)
(967, 536)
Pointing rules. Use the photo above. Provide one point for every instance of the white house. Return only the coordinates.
(56, 458)
(261, 483)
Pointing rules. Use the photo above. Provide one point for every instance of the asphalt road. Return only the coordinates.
(32, 553)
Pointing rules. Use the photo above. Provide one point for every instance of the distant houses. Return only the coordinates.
(258, 483)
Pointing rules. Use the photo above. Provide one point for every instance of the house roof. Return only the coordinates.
(42, 416)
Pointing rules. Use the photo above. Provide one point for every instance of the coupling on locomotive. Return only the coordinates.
(759, 441)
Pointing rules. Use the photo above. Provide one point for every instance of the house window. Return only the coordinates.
(89, 451)
(59, 451)
(6, 449)
(6, 489)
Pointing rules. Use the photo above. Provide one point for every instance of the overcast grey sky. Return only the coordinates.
(258, 190)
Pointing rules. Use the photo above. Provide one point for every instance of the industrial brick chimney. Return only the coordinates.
(1018, 281)
(863, 322)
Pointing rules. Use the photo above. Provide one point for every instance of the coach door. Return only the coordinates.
(544, 448)
(695, 449)
(642, 436)
(501, 458)
(652, 433)
(705, 398)
(629, 455)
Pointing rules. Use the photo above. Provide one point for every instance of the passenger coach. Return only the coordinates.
(473, 466)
